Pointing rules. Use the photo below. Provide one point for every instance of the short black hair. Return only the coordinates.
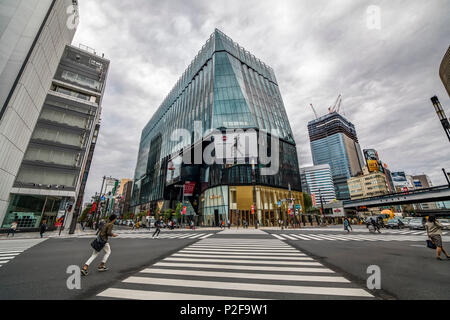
(432, 218)
(112, 217)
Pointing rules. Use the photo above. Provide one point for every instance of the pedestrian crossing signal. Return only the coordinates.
(253, 209)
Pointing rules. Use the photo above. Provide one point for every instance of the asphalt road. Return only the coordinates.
(40, 272)
(409, 270)
(330, 264)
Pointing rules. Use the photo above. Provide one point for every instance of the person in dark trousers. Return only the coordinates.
(105, 233)
(434, 231)
(13, 228)
(43, 228)
(158, 225)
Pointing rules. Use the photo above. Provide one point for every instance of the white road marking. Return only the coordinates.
(349, 292)
(226, 256)
(249, 253)
(275, 263)
(156, 295)
(243, 267)
(263, 276)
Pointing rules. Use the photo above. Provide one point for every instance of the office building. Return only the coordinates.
(444, 71)
(318, 181)
(369, 184)
(334, 142)
(33, 36)
(225, 87)
(53, 173)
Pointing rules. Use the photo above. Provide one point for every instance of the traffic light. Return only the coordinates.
(253, 209)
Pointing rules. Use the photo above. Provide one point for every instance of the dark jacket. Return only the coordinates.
(106, 231)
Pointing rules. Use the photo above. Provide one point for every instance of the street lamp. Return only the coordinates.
(441, 115)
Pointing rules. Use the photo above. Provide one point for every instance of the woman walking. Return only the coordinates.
(434, 231)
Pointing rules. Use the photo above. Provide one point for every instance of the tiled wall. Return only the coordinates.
(24, 108)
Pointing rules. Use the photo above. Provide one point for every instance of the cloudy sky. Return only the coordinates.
(318, 49)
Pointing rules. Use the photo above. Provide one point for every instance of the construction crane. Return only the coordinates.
(314, 110)
(337, 105)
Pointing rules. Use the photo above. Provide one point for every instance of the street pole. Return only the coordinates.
(254, 192)
(441, 115)
(96, 216)
(321, 204)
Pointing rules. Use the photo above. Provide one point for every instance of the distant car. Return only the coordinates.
(416, 224)
(407, 220)
(445, 223)
(396, 223)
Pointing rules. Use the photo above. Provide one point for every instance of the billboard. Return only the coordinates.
(372, 160)
(189, 188)
(399, 179)
(373, 165)
(236, 145)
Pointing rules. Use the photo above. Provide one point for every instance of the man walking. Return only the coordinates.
(43, 228)
(105, 233)
(12, 229)
(158, 228)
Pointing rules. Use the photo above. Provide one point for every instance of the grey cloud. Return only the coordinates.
(318, 50)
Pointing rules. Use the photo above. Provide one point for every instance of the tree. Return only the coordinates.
(84, 215)
(308, 201)
(178, 211)
(168, 214)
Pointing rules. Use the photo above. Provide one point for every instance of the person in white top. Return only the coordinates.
(12, 229)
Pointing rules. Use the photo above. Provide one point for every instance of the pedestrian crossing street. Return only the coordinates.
(352, 237)
(149, 235)
(236, 269)
(9, 249)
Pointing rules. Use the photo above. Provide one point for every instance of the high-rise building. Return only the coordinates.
(33, 36)
(318, 181)
(334, 142)
(225, 87)
(53, 173)
(444, 71)
(369, 184)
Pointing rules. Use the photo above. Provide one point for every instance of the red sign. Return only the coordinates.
(184, 210)
(313, 198)
(189, 188)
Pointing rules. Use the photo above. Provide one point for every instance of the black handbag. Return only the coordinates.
(98, 244)
(430, 244)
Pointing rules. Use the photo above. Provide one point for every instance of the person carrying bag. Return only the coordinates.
(434, 231)
(101, 243)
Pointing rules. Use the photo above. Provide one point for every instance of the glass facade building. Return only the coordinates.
(318, 180)
(225, 87)
(334, 142)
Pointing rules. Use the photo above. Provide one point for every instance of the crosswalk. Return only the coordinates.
(351, 237)
(236, 269)
(10, 249)
(364, 230)
(149, 235)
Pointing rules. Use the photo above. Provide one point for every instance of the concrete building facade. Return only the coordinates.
(33, 36)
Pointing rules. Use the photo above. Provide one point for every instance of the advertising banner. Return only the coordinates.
(373, 165)
(189, 188)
